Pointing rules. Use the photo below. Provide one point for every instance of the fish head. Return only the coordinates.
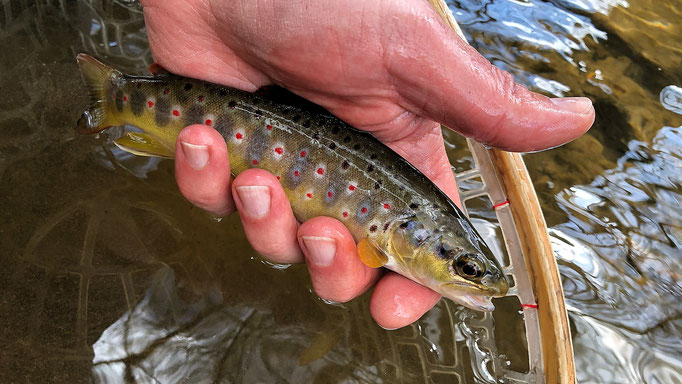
(450, 259)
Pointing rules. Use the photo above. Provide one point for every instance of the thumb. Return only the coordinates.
(456, 86)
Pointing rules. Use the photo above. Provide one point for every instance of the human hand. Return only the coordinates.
(388, 67)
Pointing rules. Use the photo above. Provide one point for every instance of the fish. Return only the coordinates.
(399, 218)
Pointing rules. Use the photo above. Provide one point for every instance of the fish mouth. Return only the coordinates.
(473, 301)
(476, 302)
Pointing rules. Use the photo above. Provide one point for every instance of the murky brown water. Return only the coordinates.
(107, 273)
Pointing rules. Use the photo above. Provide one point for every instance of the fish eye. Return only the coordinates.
(469, 266)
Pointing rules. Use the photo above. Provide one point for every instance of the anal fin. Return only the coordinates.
(370, 255)
(142, 144)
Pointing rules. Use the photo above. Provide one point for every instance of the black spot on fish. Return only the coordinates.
(316, 136)
(194, 115)
(188, 86)
(225, 125)
(162, 108)
(232, 104)
(356, 147)
(138, 85)
(306, 123)
(404, 225)
(373, 156)
(335, 130)
(377, 185)
(332, 146)
(345, 164)
(137, 102)
(370, 168)
(346, 139)
(373, 228)
(386, 226)
(119, 101)
(414, 206)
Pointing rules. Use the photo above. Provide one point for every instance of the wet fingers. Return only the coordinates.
(398, 301)
(332, 258)
(266, 216)
(202, 169)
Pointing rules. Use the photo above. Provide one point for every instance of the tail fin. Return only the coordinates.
(97, 78)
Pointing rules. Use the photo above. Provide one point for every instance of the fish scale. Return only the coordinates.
(400, 219)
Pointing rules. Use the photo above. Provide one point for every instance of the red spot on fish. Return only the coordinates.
(303, 153)
(345, 214)
(320, 171)
(209, 122)
(387, 206)
(255, 162)
(269, 127)
(278, 177)
(150, 103)
(310, 195)
(125, 98)
(351, 187)
(297, 173)
(239, 136)
(200, 98)
(176, 112)
(330, 194)
(166, 91)
(279, 150)
(363, 210)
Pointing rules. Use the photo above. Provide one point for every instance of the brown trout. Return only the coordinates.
(399, 218)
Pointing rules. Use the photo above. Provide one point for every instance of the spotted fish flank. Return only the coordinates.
(400, 218)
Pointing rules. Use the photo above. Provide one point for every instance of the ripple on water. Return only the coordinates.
(620, 257)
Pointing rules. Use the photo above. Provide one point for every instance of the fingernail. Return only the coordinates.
(321, 250)
(387, 329)
(580, 105)
(195, 155)
(255, 200)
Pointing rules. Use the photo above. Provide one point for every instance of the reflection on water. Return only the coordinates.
(107, 271)
(671, 98)
(620, 257)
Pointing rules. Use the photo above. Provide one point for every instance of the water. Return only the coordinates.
(108, 273)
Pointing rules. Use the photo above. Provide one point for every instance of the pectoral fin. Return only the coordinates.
(370, 255)
(142, 144)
